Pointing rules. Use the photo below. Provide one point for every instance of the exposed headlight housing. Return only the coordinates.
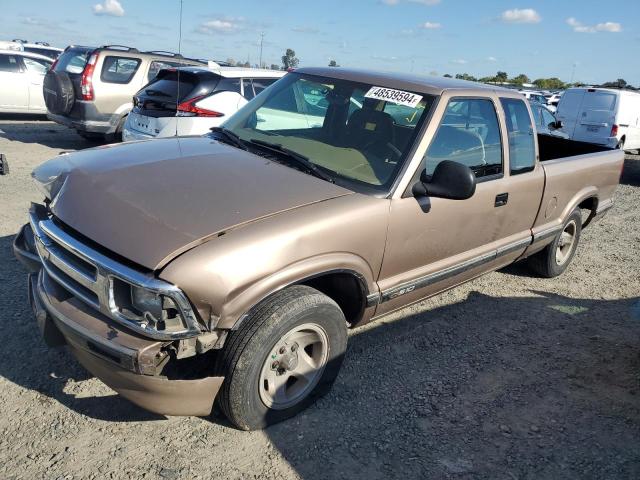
(151, 310)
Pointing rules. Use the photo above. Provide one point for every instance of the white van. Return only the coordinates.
(601, 115)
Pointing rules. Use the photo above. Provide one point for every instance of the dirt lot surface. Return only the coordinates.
(506, 377)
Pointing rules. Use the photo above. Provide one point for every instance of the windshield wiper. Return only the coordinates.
(296, 157)
(230, 136)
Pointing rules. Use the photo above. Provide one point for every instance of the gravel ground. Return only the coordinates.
(506, 377)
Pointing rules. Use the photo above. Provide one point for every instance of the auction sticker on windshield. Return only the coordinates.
(394, 96)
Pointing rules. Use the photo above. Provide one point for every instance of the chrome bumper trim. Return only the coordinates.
(94, 284)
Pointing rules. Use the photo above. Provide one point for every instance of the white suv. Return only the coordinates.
(21, 77)
(192, 100)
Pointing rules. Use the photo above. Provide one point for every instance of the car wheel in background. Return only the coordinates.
(59, 95)
(556, 257)
(284, 356)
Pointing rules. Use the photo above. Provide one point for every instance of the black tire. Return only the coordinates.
(247, 350)
(620, 145)
(59, 95)
(545, 263)
(116, 136)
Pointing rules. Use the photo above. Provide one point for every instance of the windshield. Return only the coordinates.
(359, 134)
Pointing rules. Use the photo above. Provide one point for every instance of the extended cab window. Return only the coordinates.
(468, 134)
(521, 144)
(119, 69)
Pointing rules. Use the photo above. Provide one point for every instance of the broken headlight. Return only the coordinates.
(150, 309)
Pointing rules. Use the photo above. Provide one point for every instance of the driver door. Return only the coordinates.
(436, 243)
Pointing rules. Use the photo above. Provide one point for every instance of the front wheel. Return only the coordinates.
(283, 358)
(556, 256)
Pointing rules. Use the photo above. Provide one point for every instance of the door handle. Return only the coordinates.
(501, 199)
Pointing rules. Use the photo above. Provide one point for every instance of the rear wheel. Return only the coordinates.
(556, 256)
(282, 358)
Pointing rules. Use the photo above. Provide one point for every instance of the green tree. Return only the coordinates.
(520, 79)
(446, 75)
(289, 59)
(619, 83)
(501, 77)
(275, 67)
(466, 76)
(552, 83)
(333, 63)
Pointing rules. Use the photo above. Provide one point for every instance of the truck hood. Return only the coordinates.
(152, 200)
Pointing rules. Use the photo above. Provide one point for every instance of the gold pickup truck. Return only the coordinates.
(228, 268)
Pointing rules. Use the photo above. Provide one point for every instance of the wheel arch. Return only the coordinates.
(345, 278)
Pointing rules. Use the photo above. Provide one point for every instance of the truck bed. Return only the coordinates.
(552, 148)
(577, 174)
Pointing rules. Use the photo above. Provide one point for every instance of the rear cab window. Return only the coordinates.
(522, 156)
(469, 133)
(119, 69)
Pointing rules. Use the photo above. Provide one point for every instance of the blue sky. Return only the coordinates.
(583, 38)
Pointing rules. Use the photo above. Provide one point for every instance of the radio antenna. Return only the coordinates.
(178, 70)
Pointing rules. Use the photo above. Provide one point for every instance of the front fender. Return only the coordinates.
(240, 303)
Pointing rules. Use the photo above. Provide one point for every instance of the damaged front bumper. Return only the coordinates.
(126, 361)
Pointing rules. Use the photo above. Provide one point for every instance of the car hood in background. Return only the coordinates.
(150, 201)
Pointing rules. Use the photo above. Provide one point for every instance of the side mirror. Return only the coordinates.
(450, 179)
(557, 125)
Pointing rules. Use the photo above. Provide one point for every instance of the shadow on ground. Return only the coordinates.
(537, 387)
(38, 129)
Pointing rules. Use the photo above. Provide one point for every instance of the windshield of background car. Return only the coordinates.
(72, 60)
(359, 134)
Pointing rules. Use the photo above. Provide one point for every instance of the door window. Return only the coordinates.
(259, 84)
(469, 134)
(119, 69)
(228, 85)
(9, 63)
(521, 143)
(36, 66)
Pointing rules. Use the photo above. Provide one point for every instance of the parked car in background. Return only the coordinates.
(43, 48)
(227, 267)
(21, 77)
(546, 122)
(91, 89)
(601, 115)
(10, 45)
(534, 96)
(552, 101)
(192, 100)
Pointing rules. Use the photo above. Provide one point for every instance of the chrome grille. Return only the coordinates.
(89, 276)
